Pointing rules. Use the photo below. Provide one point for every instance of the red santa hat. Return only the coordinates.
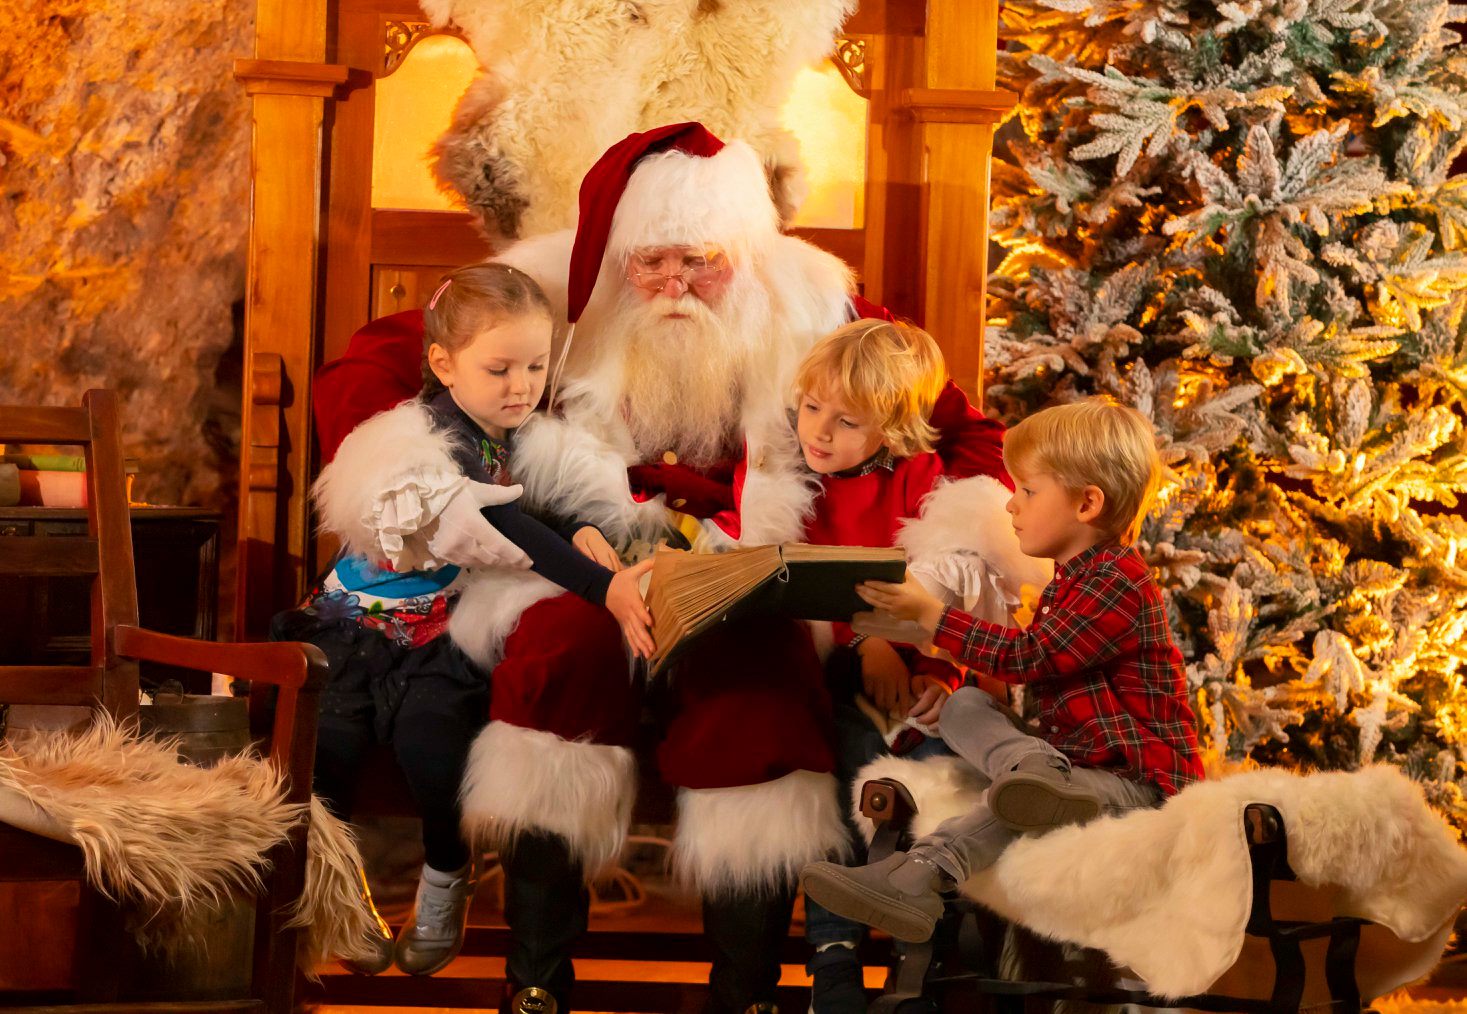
(677, 185)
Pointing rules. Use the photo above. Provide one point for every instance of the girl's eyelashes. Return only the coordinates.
(850, 424)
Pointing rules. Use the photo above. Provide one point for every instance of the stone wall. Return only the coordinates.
(124, 169)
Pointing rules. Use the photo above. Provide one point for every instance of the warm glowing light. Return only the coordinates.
(830, 122)
(414, 106)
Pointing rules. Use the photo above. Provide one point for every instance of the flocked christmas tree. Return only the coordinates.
(1240, 218)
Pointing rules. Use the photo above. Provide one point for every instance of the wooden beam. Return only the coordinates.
(955, 104)
(289, 83)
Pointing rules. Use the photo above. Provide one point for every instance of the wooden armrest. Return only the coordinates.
(886, 800)
(285, 663)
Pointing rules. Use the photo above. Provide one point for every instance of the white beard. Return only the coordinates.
(681, 383)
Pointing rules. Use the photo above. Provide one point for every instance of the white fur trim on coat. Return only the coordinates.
(752, 838)
(942, 787)
(394, 450)
(520, 780)
(566, 467)
(775, 506)
(490, 607)
(1167, 891)
(963, 541)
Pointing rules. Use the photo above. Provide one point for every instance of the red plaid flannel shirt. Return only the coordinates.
(1102, 670)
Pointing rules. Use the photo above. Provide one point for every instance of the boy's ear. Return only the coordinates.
(1091, 505)
(441, 363)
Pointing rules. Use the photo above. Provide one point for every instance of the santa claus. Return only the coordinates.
(689, 311)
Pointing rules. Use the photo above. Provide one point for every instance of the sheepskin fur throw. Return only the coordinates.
(563, 80)
(1167, 891)
(173, 842)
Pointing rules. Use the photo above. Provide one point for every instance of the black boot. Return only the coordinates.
(546, 904)
(747, 933)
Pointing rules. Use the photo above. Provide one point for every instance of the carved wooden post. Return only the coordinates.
(932, 139)
(289, 85)
(956, 108)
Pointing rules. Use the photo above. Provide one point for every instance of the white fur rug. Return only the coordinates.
(1166, 892)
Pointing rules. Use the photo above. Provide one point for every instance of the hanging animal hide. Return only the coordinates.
(563, 80)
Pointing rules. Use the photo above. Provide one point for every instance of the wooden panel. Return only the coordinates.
(961, 56)
(42, 957)
(847, 244)
(894, 255)
(161, 1007)
(348, 252)
(280, 315)
(51, 684)
(39, 556)
(26, 424)
(290, 30)
(446, 238)
(396, 288)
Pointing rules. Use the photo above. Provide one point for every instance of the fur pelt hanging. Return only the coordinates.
(173, 842)
(563, 80)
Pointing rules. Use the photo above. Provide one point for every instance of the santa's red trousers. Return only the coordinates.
(747, 704)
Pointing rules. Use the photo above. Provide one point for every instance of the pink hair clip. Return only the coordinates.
(432, 303)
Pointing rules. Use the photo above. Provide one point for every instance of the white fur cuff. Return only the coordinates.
(750, 838)
(942, 787)
(521, 780)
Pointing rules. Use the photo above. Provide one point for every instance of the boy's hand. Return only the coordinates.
(589, 540)
(929, 706)
(884, 676)
(906, 601)
(624, 600)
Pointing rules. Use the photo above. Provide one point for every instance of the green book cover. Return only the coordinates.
(809, 583)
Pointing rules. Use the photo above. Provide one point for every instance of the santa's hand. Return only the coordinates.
(929, 705)
(461, 535)
(589, 540)
(624, 600)
(884, 676)
(906, 601)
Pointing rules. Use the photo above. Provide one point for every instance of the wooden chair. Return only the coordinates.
(286, 723)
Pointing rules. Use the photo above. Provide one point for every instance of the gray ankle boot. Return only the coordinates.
(1039, 795)
(434, 933)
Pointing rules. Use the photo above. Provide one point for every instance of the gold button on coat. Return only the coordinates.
(669, 458)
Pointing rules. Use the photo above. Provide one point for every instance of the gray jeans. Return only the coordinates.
(990, 737)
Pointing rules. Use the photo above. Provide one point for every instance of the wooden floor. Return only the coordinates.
(644, 950)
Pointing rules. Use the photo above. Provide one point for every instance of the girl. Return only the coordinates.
(381, 613)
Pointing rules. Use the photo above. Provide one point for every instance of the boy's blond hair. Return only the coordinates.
(891, 372)
(1098, 443)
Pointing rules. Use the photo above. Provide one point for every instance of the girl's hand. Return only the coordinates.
(929, 705)
(906, 601)
(589, 540)
(884, 676)
(624, 600)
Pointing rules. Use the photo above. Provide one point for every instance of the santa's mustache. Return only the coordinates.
(687, 305)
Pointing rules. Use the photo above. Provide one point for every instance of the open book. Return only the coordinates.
(690, 593)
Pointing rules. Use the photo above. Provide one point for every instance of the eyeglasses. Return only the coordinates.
(697, 271)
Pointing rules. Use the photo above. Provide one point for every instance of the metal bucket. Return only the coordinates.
(218, 964)
(208, 728)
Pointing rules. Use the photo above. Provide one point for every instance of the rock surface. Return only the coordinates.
(124, 158)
